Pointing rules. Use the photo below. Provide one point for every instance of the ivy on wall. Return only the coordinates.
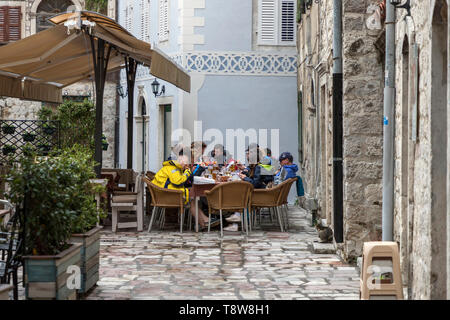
(100, 6)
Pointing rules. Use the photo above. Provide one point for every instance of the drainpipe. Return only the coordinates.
(388, 128)
(338, 207)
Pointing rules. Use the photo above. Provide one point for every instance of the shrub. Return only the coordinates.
(58, 196)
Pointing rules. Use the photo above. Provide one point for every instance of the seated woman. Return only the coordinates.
(175, 174)
(220, 155)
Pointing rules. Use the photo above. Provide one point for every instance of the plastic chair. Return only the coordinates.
(128, 201)
(386, 252)
(165, 198)
(229, 196)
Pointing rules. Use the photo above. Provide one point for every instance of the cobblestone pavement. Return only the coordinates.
(266, 264)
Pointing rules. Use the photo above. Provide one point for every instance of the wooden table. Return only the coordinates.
(198, 190)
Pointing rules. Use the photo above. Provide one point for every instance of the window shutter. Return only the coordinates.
(14, 16)
(163, 20)
(287, 21)
(129, 18)
(3, 24)
(145, 20)
(268, 22)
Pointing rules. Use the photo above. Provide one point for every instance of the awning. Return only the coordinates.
(39, 66)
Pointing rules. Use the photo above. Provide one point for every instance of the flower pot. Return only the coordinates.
(47, 277)
(105, 146)
(90, 257)
(29, 137)
(8, 129)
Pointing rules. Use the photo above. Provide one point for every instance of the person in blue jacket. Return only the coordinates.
(288, 168)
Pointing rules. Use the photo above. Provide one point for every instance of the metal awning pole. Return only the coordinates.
(131, 66)
(100, 68)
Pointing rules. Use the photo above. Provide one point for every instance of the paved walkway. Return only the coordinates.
(267, 264)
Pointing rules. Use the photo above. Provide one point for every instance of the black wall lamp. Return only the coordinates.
(155, 88)
(119, 89)
(397, 4)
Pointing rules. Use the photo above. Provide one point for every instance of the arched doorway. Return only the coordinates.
(438, 228)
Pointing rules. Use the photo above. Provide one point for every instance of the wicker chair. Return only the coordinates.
(128, 201)
(229, 196)
(163, 199)
(270, 198)
(284, 201)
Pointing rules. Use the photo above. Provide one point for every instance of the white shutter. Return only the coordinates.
(163, 20)
(287, 29)
(141, 7)
(129, 18)
(146, 36)
(268, 22)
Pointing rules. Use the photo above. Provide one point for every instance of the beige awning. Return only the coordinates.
(39, 66)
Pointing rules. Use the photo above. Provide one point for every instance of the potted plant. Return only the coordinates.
(48, 128)
(8, 148)
(85, 229)
(50, 260)
(28, 137)
(105, 143)
(8, 128)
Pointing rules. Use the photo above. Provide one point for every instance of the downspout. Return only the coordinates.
(117, 117)
(338, 207)
(388, 128)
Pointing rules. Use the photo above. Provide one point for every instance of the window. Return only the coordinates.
(48, 9)
(276, 22)
(163, 33)
(10, 23)
(145, 20)
(129, 17)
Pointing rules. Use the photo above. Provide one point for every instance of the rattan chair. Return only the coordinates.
(270, 198)
(165, 198)
(229, 196)
(128, 201)
(284, 201)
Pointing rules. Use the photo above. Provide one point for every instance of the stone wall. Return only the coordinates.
(362, 116)
(418, 227)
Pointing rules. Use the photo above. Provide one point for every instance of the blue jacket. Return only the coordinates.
(286, 172)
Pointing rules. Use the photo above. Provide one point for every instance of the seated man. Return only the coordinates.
(175, 174)
(288, 168)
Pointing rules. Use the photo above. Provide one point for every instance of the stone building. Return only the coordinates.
(20, 19)
(422, 184)
(362, 114)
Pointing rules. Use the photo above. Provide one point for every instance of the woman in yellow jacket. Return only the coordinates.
(173, 175)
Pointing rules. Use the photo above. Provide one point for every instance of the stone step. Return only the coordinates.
(322, 248)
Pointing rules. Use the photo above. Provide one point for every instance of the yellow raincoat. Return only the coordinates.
(171, 176)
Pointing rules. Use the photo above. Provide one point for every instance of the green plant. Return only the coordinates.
(100, 6)
(8, 148)
(28, 137)
(48, 128)
(67, 206)
(8, 128)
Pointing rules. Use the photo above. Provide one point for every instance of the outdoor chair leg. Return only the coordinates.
(151, 219)
(15, 285)
(246, 221)
(287, 216)
(271, 214)
(182, 220)
(114, 219)
(221, 228)
(190, 221)
(209, 222)
(279, 218)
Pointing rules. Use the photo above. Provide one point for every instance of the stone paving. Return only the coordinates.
(266, 264)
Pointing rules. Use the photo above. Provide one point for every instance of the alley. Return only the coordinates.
(267, 264)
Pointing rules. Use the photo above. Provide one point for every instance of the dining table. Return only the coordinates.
(197, 191)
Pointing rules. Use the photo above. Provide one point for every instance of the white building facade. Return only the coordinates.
(242, 59)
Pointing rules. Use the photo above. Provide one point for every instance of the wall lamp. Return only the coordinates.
(119, 89)
(397, 4)
(155, 88)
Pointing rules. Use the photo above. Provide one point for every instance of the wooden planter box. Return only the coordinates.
(46, 276)
(90, 257)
